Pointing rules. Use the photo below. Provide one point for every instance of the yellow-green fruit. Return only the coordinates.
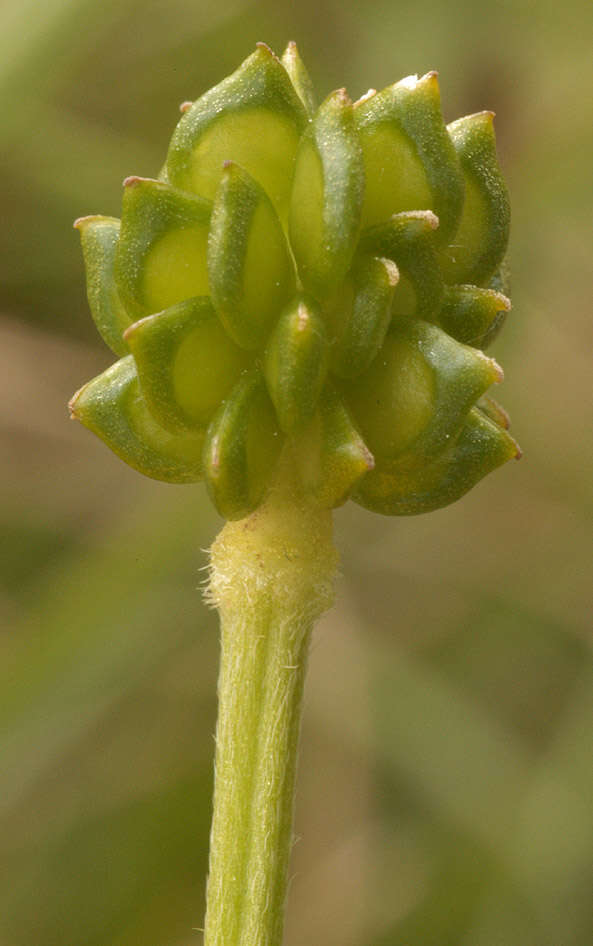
(317, 282)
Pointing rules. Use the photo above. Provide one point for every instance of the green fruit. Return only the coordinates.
(317, 282)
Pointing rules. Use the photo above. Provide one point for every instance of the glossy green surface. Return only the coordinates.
(254, 117)
(327, 196)
(186, 363)
(411, 161)
(250, 270)
(241, 449)
(99, 237)
(296, 363)
(112, 407)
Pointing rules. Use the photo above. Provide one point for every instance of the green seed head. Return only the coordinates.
(315, 280)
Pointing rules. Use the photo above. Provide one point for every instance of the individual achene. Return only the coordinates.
(318, 281)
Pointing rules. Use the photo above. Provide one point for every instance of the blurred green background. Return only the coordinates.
(446, 778)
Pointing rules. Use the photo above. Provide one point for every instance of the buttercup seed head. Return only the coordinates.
(315, 280)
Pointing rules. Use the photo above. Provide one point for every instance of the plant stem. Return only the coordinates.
(272, 576)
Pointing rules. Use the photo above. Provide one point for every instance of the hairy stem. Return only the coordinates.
(272, 576)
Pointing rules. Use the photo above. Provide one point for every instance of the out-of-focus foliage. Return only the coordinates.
(446, 771)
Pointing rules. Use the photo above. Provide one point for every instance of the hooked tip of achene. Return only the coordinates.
(413, 82)
(133, 329)
(134, 179)
(264, 48)
(81, 222)
(427, 217)
(185, 106)
(364, 98)
(391, 271)
(497, 372)
(504, 302)
(486, 116)
(430, 81)
(341, 95)
(72, 403)
(303, 320)
(431, 219)
(369, 460)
